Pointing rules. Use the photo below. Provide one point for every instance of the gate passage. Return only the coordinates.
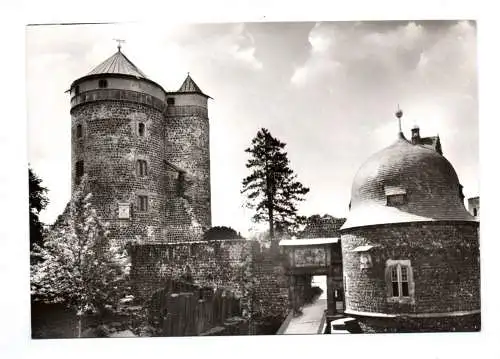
(306, 258)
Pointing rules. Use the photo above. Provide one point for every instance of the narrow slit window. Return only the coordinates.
(78, 171)
(79, 132)
(142, 168)
(142, 129)
(143, 203)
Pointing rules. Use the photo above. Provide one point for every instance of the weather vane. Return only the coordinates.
(399, 114)
(119, 41)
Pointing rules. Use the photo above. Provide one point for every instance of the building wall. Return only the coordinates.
(241, 266)
(110, 148)
(444, 259)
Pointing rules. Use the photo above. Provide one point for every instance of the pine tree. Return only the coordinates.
(272, 189)
(79, 265)
(37, 202)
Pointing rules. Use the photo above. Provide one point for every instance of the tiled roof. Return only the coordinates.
(431, 184)
(118, 64)
(189, 86)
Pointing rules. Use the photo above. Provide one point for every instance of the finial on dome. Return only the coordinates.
(399, 114)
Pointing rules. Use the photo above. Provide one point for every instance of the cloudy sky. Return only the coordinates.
(328, 90)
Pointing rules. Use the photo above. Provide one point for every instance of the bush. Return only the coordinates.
(221, 232)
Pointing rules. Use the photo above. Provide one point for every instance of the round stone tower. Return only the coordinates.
(410, 249)
(118, 141)
(187, 147)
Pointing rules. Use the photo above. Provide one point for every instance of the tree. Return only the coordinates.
(317, 226)
(221, 232)
(37, 202)
(79, 265)
(272, 189)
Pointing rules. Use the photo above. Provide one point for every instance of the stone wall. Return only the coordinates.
(249, 270)
(445, 266)
(466, 323)
(110, 148)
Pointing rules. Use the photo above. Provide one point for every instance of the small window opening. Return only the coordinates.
(143, 203)
(170, 253)
(142, 129)
(475, 212)
(103, 83)
(170, 101)
(142, 168)
(79, 170)
(180, 184)
(79, 131)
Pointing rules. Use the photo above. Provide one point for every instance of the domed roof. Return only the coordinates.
(406, 182)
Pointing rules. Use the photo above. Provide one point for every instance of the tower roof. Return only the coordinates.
(118, 63)
(424, 176)
(189, 86)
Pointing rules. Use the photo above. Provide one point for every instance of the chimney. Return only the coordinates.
(415, 135)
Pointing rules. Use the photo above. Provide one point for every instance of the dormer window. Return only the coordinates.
(103, 84)
(395, 196)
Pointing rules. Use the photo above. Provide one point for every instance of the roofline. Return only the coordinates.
(118, 75)
(410, 223)
(188, 93)
(307, 241)
(93, 76)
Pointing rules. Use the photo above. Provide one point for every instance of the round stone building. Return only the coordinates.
(145, 152)
(410, 249)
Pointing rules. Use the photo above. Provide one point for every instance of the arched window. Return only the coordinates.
(142, 129)
(142, 168)
(399, 279)
(79, 132)
(103, 83)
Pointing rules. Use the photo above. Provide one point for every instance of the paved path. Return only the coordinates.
(310, 320)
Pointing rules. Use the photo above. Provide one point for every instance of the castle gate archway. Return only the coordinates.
(310, 257)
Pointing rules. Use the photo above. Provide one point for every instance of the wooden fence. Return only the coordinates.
(183, 309)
